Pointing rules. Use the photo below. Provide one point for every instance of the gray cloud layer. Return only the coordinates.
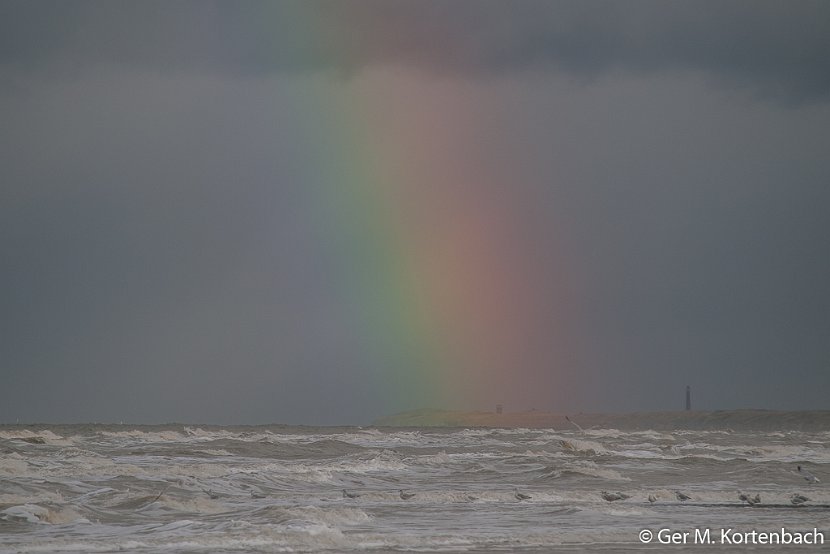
(164, 231)
(776, 48)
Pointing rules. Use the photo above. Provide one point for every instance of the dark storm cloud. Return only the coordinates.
(167, 206)
(777, 49)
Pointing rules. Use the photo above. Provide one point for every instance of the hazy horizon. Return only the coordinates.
(573, 414)
(326, 212)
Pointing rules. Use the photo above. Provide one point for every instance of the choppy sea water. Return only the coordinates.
(280, 489)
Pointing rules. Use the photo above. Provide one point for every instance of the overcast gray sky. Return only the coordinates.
(325, 212)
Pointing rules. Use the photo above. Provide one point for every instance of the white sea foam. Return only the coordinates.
(583, 446)
(34, 513)
(145, 436)
(334, 516)
(592, 469)
(214, 452)
(175, 489)
(196, 504)
(31, 513)
(44, 436)
(14, 464)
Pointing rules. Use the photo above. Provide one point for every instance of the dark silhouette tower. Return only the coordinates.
(688, 398)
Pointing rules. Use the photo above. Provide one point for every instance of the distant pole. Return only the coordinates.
(688, 398)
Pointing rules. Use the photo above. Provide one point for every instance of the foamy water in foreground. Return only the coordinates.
(273, 489)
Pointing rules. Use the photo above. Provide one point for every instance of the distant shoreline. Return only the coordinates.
(761, 420)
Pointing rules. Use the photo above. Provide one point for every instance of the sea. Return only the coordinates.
(181, 488)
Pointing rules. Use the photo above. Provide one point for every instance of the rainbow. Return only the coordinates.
(433, 276)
